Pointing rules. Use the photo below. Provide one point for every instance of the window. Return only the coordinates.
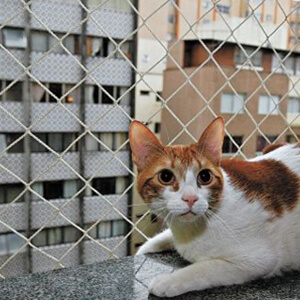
(53, 189)
(107, 229)
(157, 127)
(14, 93)
(43, 41)
(268, 18)
(39, 41)
(171, 19)
(94, 94)
(289, 63)
(105, 186)
(105, 98)
(294, 105)
(9, 192)
(257, 15)
(108, 139)
(110, 185)
(145, 93)
(94, 46)
(56, 189)
(157, 98)
(71, 42)
(57, 141)
(207, 4)
(8, 138)
(14, 38)
(119, 139)
(10, 243)
(292, 139)
(104, 229)
(277, 63)
(118, 227)
(125, 48)
(268, 105)
(56, 236)
(223, 9)
(231, 103)
(112, 140)
(241, 58)
(170, 36)
(41, 95)
(262, 142)
(229, 146)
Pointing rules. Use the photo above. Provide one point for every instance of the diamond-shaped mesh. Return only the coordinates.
(74, 73)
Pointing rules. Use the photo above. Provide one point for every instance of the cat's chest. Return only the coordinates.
(199, 248)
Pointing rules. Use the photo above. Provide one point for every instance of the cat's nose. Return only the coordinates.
(190, 200)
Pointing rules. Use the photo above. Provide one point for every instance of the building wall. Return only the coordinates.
(210, 83)
(51, 118)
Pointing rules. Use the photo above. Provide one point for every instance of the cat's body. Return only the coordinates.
(250, 227)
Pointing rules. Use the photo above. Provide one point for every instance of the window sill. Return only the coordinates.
(129, 277)
(247, 67)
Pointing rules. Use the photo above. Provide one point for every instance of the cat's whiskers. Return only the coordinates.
(225, 226)
(210, 228)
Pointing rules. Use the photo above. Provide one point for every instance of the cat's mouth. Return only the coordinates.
(188, 213)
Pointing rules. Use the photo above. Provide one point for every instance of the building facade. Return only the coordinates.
(87, 78)
(260, 93)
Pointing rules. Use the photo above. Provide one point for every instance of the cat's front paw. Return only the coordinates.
(149, 247)
(166, 285)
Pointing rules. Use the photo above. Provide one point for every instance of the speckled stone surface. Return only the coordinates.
(128, 279)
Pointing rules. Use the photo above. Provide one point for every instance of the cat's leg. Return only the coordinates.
(208, 274)
(161, 242)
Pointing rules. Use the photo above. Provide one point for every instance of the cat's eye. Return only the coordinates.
(166, 177)
(204, 177)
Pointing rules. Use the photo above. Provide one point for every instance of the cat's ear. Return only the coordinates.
(211, 141)
(143, 143)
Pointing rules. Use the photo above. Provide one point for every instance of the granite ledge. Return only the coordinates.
(128, 278)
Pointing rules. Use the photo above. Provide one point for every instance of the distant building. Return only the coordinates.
(269, 98)
(26, 37)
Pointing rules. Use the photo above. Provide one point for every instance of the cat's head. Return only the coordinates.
(179, 181)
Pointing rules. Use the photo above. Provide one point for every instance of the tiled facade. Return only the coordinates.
(47, 118)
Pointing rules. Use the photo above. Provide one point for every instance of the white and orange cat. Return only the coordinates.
(234, 220)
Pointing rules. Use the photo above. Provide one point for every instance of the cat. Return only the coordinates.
(234, 220)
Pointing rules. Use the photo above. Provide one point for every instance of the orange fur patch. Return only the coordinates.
(272, 147)
(268, 180)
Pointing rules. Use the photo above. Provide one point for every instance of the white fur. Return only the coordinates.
(240, 243)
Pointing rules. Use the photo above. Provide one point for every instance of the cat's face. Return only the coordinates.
(179, 181)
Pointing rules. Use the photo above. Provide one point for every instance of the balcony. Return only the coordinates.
(56, 120)
(96, 208)
(60, 171)
(8, 124)
(128, 278)
(43, 213)
(15, 163)
(10, 69)
(109, 72)
(56, 67)
(99, 118)
(104, 164)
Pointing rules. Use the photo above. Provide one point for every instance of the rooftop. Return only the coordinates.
(128, 278)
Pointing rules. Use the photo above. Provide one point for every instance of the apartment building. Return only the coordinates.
(244, 97)
(27, 39)
(265, 21)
